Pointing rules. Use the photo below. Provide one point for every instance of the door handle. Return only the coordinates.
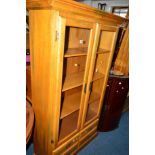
(85, 88)
(90, 86)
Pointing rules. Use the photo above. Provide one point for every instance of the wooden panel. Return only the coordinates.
(79, 8)
(88, 128)
(74, 35)
(71, 101)
(93, 106)
(71, 150)
(68, 125)
(94, 49)
(87, 138)
(74, 65)
(98, 76)
(94, 96)
(101, 50)
(111, 48)
(40, 47)
(106, 38)
(70, 52)
(122, 59)
(101, 63)
(46, 76)
(92, 110)
(61, 24)
(65, 146)
(74, 69)
(38, 3)
(97, 86)
(109, 28)
(73, 81)
(79, 23)
(107, 41)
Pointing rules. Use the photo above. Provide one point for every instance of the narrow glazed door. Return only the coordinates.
(76, 59)
(99, 70)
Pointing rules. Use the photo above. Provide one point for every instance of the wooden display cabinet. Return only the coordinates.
(71, 46)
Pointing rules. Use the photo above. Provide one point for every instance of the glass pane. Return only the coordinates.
(100, 68)
(68, 124)
(73, 72)
(94, 99)
(103, 53)
(76, 42)
(75, 56)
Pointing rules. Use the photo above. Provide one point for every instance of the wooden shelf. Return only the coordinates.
(97, 76)
(92, 110)
(71, 104)
(73, 81)
(101, 51)
(75, 52)
(93, 97)
(68, 125)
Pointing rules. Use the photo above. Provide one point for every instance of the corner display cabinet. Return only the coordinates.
(71, 48)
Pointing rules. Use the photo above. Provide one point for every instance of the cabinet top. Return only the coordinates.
(74, 7)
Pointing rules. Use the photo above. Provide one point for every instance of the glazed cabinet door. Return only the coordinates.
(99, 69)
(76, 38)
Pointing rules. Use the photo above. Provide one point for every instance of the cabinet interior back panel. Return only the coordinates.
(101, 63)
(106, 39)
(74, 65)
(97, 86)
(68, 124)
(74, 35)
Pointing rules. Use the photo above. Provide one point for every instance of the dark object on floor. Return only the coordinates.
(115, 96)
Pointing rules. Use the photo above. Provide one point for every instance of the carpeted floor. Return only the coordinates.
(115, 142)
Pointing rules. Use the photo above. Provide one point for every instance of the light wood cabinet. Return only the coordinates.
(71, 47)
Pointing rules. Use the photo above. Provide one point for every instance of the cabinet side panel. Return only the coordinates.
(122, 60)
(109, 61)
(43, 73)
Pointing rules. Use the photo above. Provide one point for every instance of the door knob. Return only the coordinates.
(120, 83)
(76, 65)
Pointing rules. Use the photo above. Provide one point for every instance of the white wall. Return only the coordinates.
(110, 3)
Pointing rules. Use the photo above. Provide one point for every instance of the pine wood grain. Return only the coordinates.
(97, 76)
(75, 52)
(101, 51)
(71, 103)
(68, 125)
(92, 110)
(72, 81)
(122, 59)
(79, 8)
(52, 31)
